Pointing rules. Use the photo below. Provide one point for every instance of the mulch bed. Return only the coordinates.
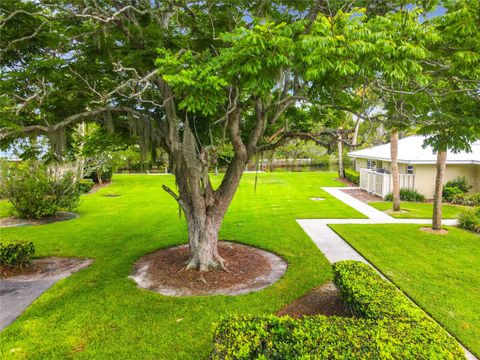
(324, 300)
(248, 269)
(43, 268)
(431, 231)
(362, 195)
(60, 216)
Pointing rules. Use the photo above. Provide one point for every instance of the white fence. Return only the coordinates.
(381, 184)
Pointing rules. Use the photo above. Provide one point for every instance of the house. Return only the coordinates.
(417, 167)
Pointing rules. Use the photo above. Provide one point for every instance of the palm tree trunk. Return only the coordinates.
(341, 170)
(437, 200)
(395, 173)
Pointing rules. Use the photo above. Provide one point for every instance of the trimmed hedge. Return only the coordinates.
(390, 327)
(407, 195)
(16, 252)
(352, 176)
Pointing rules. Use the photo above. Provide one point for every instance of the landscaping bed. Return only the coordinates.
(389, 326)
(248, 269)
(439, 272)
(59, 216)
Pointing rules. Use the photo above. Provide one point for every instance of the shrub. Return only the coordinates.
(448, 193)
(16, 252)
(467, 199)
(469, 219)
(460, 183)
(407, 195)
(352, 176)
(390, 327)
(37, 190)
(85, 185)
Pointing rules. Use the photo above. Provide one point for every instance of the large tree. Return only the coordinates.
(195, 78)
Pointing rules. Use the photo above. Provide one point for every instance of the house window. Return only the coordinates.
(409, 169)
(371, 164)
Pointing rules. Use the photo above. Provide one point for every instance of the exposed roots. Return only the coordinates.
(217, 262)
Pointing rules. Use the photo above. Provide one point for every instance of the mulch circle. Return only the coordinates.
(249, 269)
(324, 300)
(362, 195)
(431, 231)
(59, 216)
(44, 268)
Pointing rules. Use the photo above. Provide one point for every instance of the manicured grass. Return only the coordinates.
(98, 313)
(416, 210)
(441, 273)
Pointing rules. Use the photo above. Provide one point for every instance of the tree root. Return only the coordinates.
(217, 263)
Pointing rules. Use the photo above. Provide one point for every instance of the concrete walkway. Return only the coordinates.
(336, 249)
(333, 246)
(17, 293)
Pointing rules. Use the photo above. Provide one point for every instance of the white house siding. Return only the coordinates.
(425, 177)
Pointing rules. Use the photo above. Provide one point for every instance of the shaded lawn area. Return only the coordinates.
(418, 210)
(100, 313)
(441, 273)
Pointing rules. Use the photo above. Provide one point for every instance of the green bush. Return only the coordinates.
(469, 219)
(85, 185)
(352, 176)
(460, 183)
(37, 190)
(16, 252)
(390, 327)
(467, 199)
(407, 195)
(449, 193)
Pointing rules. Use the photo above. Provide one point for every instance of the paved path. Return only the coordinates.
(335, 248)
(17, 293)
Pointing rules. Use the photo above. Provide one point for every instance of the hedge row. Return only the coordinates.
(407, 195)
(352, 176)
(390, 326)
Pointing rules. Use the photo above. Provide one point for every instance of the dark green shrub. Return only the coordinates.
(16, 252)
(407, 195)
(390, 327)
(467, 199)
(352, 176)
(368, 295)
(469, 219)
(448, 193)
(37, 190)
(85, 185)
(460, 183)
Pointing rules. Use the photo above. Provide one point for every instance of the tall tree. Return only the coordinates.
(451, 104)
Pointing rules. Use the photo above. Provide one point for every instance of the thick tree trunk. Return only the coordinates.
(204, 207)
(341, 170)
(437, 200)
(395, 173)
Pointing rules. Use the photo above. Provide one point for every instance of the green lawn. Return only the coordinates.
(99, 313)
(441, 273)
(415, 210)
